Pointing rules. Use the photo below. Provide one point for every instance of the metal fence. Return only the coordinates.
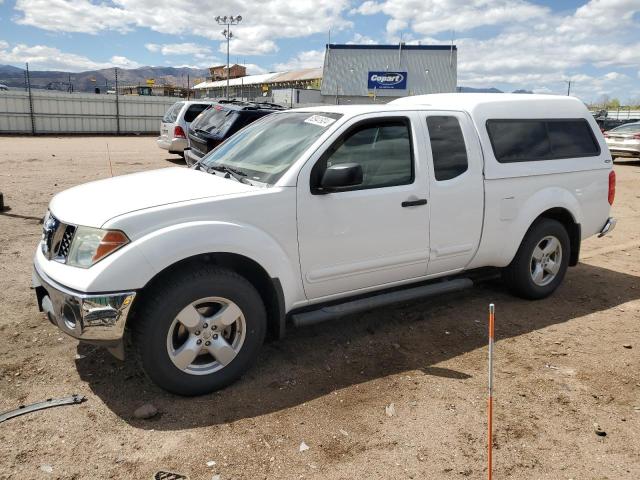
(44, 111)
(622, 113)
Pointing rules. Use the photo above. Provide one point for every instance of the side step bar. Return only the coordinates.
(332, 312)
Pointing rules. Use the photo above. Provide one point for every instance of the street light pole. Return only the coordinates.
(227, 22)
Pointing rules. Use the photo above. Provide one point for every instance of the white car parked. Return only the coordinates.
(175, 124)
(311, 214)
(624, 141)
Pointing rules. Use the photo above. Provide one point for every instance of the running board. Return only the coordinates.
(332, 312)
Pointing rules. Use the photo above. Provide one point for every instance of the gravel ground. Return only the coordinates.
(562, 364)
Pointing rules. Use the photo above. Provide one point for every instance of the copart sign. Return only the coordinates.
(387, 80)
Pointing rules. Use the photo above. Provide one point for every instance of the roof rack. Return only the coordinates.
(253, 105)
(269, 104)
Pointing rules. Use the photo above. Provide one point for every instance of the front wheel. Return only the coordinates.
(200, 332)
(541, 261)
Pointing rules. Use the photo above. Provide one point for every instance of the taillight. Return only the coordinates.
(612, 187)
(178, 132)
(636, 136)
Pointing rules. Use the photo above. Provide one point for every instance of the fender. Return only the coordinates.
(133, 266)
(502, 237)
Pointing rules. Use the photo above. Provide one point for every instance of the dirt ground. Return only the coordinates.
(562, 364)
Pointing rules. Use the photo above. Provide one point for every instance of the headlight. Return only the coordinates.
(90, 245)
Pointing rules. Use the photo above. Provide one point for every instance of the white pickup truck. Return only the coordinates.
(312, 214)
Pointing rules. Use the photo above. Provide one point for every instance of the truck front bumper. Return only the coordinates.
(94, 318)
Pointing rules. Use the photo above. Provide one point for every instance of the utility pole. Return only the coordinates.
(228, 21)
(33, 120)
(117, 105)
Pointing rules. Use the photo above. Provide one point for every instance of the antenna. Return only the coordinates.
(453, 34)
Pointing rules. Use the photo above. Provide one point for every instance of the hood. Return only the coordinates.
(92, 204)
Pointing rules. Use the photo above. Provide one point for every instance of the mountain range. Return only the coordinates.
(87, 81)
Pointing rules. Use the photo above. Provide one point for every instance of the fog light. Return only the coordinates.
(69, 316)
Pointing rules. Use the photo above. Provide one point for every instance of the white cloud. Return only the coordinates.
(241, 47)
(428, 17)
(264, 21)
(545, 56)
(359, 39)
(253, 69)
(123, 62)
(195, 50)
(598, 16)
(41, 57)
(307, 59)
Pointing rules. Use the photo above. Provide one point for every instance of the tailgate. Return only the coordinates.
(165, 129)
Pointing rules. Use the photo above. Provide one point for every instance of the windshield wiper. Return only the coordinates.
(230, 171)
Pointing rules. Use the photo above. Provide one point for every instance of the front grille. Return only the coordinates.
(65, 243)
(56, 239)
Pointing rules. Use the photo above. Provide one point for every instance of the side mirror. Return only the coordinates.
(341, 175)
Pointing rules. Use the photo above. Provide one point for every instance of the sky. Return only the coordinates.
(537, 45)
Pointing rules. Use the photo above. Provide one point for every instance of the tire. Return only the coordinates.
(164, 344)
(533, 277)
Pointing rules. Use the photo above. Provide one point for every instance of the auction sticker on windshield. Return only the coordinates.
(320, 120)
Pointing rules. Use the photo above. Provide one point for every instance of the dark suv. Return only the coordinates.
(223, 119)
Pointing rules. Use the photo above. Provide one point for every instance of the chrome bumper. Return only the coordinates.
(88, 317)
(608, 227)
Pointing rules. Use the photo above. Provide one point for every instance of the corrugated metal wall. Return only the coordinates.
(624, 113)
(346, 69)
(59, 112)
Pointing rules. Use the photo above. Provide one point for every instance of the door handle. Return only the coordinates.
(414, 203)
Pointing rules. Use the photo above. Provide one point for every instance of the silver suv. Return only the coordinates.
(175, 124)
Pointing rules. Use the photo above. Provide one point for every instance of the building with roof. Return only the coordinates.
(351, 74)
(153, 90)
(381, 73)
(254, 86)
(219, 72)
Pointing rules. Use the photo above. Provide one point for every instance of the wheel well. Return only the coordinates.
(565, 217)
(269, 288)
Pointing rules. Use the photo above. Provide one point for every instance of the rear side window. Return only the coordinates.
(194, 110)
(172, 114)
(531, 140)
(447, 146)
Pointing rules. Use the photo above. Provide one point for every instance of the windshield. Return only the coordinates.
(214, 119)
(264, 150)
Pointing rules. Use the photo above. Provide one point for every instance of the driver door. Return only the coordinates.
(373, 234)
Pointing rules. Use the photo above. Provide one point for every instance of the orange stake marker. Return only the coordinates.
(490, 406)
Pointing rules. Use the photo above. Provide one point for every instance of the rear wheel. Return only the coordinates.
(201, 332)
(541, 261)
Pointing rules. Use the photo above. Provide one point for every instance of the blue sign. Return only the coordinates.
(387, 80)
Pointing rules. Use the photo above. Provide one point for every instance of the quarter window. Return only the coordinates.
(194, 110)
(447, 147)
(531, 140)
(172, 114)
(382, 148)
